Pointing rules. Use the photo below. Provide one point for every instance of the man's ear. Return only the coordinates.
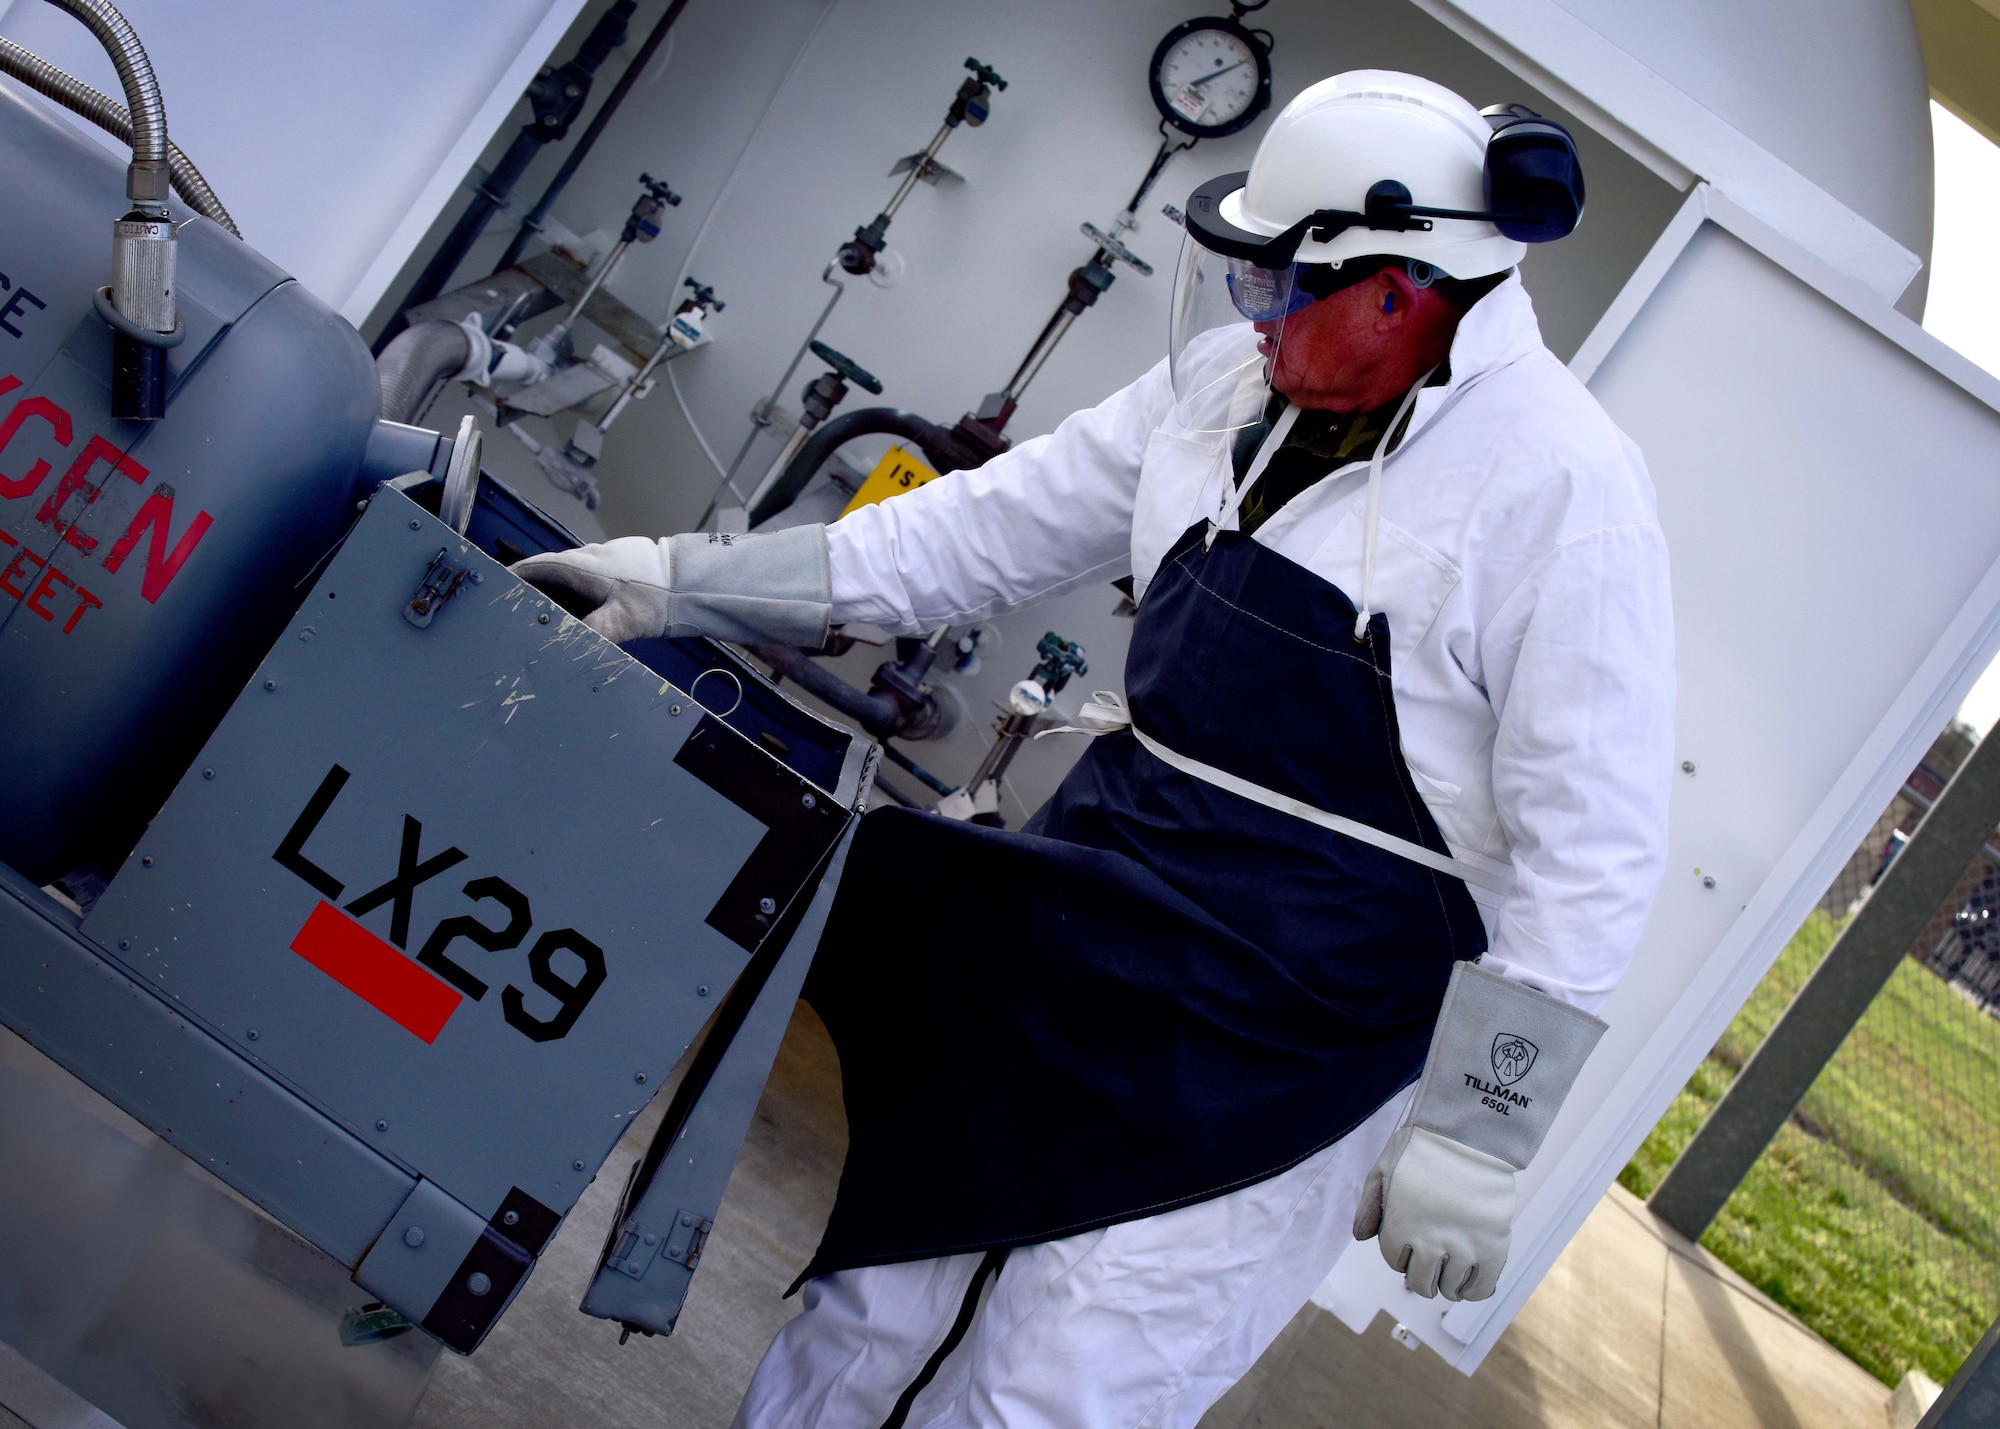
(1398, 293)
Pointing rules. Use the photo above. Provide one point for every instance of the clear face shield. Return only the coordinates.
(1224, 336)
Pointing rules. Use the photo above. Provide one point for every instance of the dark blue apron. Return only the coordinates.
(1159, 990)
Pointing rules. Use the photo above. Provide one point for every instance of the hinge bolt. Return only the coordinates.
(413, 1237)
(767, 906)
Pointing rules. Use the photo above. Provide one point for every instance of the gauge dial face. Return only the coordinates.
(1208, 78)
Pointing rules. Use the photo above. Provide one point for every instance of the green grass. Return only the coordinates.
(1873, 1215)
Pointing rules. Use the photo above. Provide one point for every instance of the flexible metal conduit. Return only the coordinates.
(146, 181)
(112, 117)
(420, 357)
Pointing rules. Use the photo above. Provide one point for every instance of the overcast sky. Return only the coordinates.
(1964, 304)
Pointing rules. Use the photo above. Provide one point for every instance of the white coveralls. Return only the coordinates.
(1522, 569)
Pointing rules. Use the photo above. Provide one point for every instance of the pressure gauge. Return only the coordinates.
(1212, 76)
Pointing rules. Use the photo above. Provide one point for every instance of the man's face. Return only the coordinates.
(1361, 347)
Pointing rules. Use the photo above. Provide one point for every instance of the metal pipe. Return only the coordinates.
(532, 223)
(114, 119)
(760, 415)
(880, 715)
(917, 171)
(556, 97)
(1045, 345)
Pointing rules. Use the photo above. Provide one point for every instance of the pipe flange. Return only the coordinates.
(101, 300)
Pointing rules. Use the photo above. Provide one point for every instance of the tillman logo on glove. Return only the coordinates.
(1513, 1055)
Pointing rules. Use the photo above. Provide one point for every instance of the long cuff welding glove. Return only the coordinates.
(1502, 1060)
(772, 588)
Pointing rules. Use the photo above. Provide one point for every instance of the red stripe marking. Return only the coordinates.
(375, 972)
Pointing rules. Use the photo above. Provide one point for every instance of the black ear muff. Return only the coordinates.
(1534, 179)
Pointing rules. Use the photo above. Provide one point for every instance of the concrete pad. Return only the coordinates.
(546, 1364)
(1634, 1328)
(1733, 1358)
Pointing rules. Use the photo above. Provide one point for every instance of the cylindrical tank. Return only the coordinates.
(145, 567)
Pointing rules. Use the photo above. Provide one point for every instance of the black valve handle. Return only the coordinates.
(704, 295)
(847, 367)
(985, 73)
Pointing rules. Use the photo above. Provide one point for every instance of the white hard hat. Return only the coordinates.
(1367, 164)
(1392, 164)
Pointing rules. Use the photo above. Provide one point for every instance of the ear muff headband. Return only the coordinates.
(1533, 186)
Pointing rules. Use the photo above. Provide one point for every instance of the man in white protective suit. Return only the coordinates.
(1308, 946)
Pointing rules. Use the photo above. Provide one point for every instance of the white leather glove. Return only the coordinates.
(771, 588)
(1502, 1059)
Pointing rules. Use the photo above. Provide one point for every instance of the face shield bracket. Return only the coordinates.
(1387, 208)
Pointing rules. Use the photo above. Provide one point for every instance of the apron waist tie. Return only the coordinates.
(1105, 713)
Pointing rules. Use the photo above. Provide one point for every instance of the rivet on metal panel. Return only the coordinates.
(381, 1126)
(652, 1240)
(673, 709)
(147, 861)
(807, 801)
(307, 632)
(512, 1218)
(270, 684)
(252, 1034)
(686, 1219)
(479, 578)
(416, 525)
(478, 1282)
(413, 1237)
(576, 1165)
(543, 617)
(767, 906)
(124, 943)
(701, 991)
(1687, 766)
(208, 773)
(1708, 880)
(640, 1078)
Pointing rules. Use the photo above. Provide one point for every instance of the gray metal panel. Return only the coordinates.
(655, 1245)
(228, 1116)
(508, 732)
(409, 1277)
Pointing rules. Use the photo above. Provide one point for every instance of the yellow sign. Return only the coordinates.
(898, 471)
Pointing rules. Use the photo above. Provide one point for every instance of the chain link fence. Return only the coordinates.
(1874, 1215)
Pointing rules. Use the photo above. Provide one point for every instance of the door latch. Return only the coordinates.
(440, 583)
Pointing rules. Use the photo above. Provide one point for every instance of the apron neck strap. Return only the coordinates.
(1233, 496)
(1372, 510)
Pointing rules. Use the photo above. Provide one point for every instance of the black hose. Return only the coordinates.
(532, 224)
(935, 442)
(114, 119)
(416, 361)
